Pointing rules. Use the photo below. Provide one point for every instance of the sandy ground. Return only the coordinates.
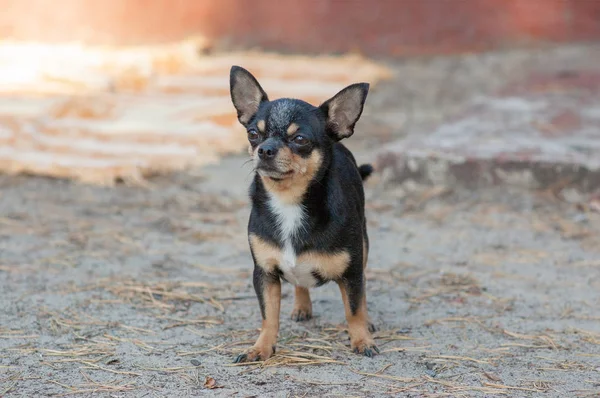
(146, 292)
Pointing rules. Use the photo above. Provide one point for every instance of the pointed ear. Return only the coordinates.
(344, 110)
(246, 93)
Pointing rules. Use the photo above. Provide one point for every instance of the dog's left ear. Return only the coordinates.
(246, 93)
(344, 110)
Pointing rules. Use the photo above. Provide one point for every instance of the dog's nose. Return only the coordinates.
(267, 151)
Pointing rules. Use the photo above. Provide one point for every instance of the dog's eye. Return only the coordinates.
(252, 135)
(300, 140)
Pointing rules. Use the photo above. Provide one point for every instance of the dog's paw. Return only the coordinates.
(301, 314)
(255, 354)
(366, 348)
(372, 327)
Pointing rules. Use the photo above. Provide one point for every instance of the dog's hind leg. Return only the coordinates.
(302, 305)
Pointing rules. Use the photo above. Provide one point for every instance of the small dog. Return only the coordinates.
(307, 224)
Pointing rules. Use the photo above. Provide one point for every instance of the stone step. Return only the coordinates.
(542, 133)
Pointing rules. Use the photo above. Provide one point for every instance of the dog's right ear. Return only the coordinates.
(246, 93)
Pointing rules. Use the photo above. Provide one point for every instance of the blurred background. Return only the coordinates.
(122, 89)
(124, 262)
(387, 28)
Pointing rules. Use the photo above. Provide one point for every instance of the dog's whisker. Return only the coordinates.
(251, 172)
(246, 162)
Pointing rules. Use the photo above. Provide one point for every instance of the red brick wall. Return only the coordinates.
(396, 27)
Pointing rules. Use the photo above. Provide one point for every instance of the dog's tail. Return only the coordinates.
(365, 171)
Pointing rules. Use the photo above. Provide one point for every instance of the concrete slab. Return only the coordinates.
(541, 132)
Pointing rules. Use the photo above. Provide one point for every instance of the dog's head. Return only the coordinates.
(289, 138)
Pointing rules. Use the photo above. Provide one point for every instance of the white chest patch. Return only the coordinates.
(290, 221)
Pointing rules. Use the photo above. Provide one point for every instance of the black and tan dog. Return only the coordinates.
(307, 224)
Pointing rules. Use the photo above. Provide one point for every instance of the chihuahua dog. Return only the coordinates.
(307, 224)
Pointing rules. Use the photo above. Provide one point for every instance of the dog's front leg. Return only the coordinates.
(268, 291)
(355, 304)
